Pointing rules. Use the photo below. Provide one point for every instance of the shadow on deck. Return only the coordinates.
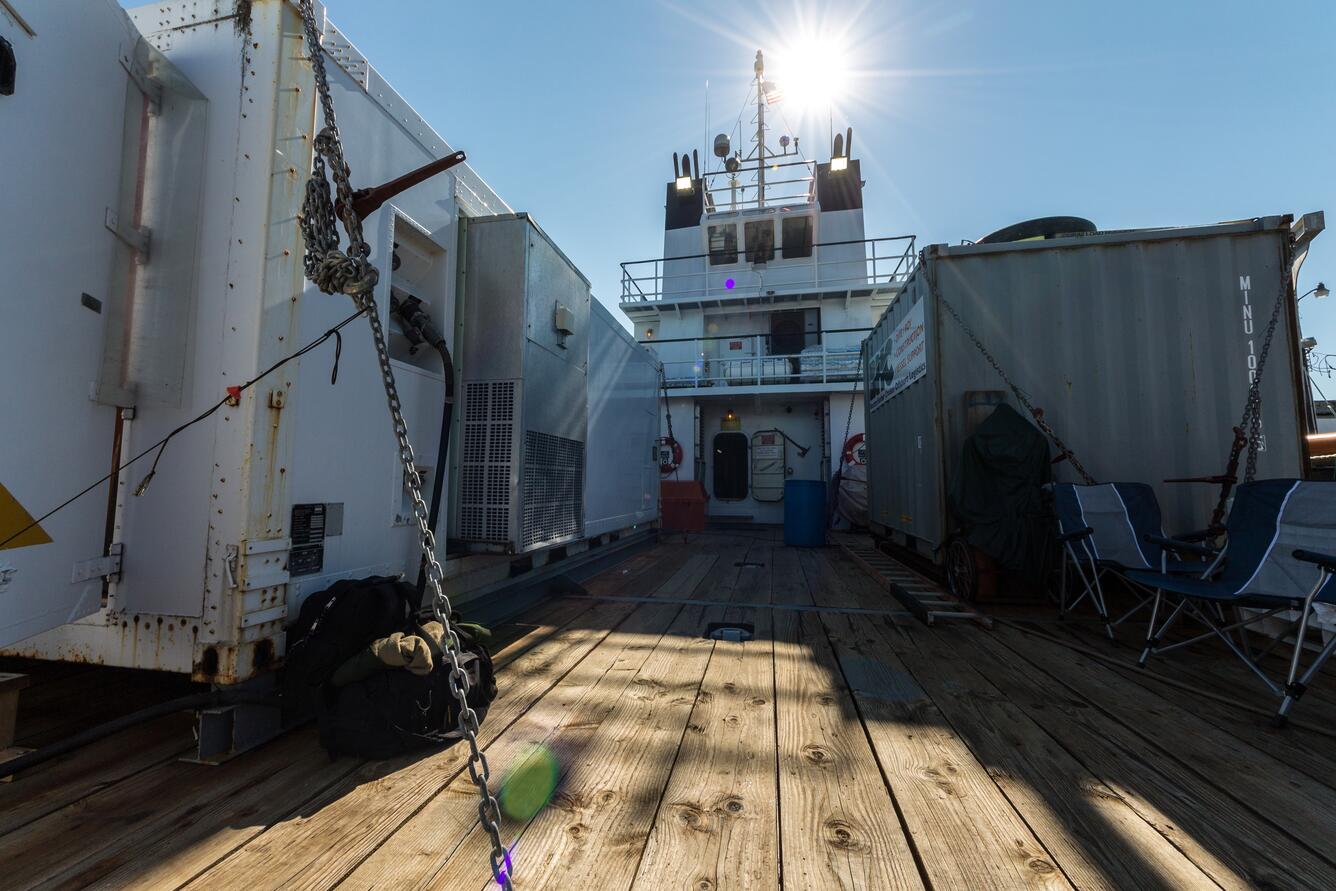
(846, 746)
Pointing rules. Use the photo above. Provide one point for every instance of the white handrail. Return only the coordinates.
(647, 281)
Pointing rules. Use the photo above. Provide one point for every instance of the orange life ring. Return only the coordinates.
(851, 448)
(667, 467)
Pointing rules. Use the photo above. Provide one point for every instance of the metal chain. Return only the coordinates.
(1020, 394)
(335, 271)
(1252, 411)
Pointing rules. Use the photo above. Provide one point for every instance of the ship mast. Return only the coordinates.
(759, 68)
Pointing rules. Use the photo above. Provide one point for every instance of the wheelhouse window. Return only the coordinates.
(723, 244)
(797, 237)
(760, 241)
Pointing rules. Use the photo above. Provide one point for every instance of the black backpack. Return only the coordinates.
(392, 711)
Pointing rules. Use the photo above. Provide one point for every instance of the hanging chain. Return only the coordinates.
(1252, 411)
(1020, 394)
(350, 272)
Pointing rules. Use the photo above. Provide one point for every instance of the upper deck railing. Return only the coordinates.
(832, 266)
(733, 360)
(788, 184)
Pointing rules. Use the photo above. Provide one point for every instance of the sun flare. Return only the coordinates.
(813, 72)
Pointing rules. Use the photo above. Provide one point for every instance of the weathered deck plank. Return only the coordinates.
(717, 825)
(564, 721)
(835, 751)
(1097, 839)
(840, 830)
(593, 832)
(1257, 781)
(1229, 843)
(353, 817)
(966, 832)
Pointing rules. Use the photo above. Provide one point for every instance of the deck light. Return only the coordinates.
(729, 283)
(1319, 292)
(838, 164)
(684, 184)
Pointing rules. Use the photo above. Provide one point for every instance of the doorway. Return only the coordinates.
(730, 466)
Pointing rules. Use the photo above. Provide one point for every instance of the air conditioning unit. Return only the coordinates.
(524, 406)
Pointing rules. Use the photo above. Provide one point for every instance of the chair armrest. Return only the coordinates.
(1079, 533)
(1195, 535)
(1185, 547)
(1326, 561)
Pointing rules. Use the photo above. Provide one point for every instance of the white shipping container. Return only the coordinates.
(166, 266)
(621, 453)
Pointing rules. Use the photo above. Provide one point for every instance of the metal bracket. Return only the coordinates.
(223, 732)
(107, 567)
(137, 239)
(230, 565)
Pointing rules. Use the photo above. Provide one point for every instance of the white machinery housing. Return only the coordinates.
(525, 359)
(165, 267)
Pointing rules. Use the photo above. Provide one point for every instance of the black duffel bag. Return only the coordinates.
(382, 711)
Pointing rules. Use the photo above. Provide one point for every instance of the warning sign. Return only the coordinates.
(13, 518)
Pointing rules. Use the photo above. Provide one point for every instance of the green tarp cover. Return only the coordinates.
(996, 492)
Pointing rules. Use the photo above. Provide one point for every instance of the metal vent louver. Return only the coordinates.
(553, 488)
(486, 466)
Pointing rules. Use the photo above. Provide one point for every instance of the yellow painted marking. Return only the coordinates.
(13, 517)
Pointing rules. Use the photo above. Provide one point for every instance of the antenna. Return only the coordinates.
(706, 131)
(759, 68)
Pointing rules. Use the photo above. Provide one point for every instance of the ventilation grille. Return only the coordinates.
(485, 469)
(553, 488)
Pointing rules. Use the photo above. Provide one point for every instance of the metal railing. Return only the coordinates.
(740, 360)
(884, 261)
(727, 192)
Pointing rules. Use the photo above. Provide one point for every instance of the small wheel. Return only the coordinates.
(962, 575)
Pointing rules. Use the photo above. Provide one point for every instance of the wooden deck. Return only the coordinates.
(845, 747)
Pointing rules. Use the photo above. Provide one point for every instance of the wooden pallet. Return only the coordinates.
(924, 598)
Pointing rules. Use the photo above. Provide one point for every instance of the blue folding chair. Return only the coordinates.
(1114, 528)
(1278, 559)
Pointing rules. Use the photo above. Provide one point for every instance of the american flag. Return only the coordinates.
(773, 93)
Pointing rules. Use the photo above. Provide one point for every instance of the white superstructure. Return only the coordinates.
(766, 288)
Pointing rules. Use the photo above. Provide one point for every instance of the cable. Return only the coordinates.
(161, 445)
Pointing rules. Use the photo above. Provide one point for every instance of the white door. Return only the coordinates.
(769, 465)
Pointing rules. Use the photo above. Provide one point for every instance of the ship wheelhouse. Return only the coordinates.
(766, 288)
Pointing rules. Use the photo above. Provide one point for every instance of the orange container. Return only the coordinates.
(682, 505)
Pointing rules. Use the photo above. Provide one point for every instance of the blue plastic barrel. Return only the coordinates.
(804, 513)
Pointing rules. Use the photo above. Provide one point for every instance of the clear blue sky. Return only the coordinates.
(968, 115)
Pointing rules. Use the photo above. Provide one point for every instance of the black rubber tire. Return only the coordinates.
(962, 576)
(1044, 227)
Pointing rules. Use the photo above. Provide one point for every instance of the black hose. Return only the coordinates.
(194, 701)
(442, 455)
